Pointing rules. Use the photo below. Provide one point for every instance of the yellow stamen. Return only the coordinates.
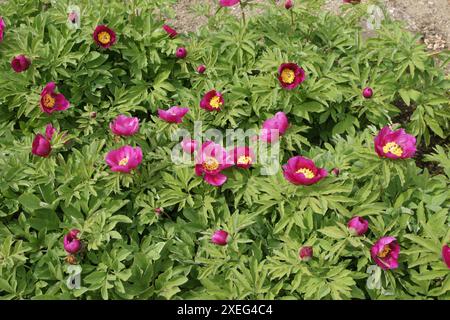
(49, 101)
(393, 148)
(215, 102)
(244, 160)
(210, 164)
(288, 76)
(123, 162)
(306, 172)
(384, 252)
(104, 37)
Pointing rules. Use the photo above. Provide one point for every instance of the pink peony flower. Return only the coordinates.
(49, 132)
(358, 225)
(2, 28)
(220, 237)
(228, 3)
(395, 144)
(288, 4)
(173, 115)
(20, 63)
(446, 255)
(306, 253)
(243, 157)
(210, 161)
(367, 93)
(290, 75)
(212, 101)
(303, 171)
(189, 145)
(201, 69)
(104, 36)
(274, 127)
(124, 159)
(385, 253)
(181, 53)
(171, 32)
(124, 126)
(51, 101)
(71, 243)
(41, 146)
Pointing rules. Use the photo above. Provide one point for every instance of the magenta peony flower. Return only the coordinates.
(446, 255)
(395, 144)
(189, 145)
(124, 126)
(71, 243)
(306, 253)
(358, 226)
(51, 101)
(300, 170)
(41, 146)
(171, 32)
(210, 161)
(228, 3)
(220, 237)
(288, 4)
(290, 75)
(181, 53)
(385, 253)
(274, 127)
(173, 115)
(124, 159)
(367, 93)
(243, 157)
(104, 36)
(20, 63)
(212, 101)
(201, 69)
(2, 28)
(49, 131)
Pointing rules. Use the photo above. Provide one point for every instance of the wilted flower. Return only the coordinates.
(335, 171)
(73, 17)
(395, 144)
(20, 63)
(71, 242)
(274, 127)
(124, 126)
(228, 3)
(124, 159)
(93, 114)
(158, 211)
(201, 68)
(220, 237)
(288, 4)
(300, 170)
(104, 36)
(171, 32)
(290, 75)
(358, 225)
(181, 53)
(189, 145)
(210, 161)
(446, 255)
(2, 28)
(367, 93)
(306, 253)
(51, 101)
(173, 115)
(385, 253)
(212, 101)
(243, 157)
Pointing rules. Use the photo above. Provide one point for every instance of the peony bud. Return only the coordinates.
(446, 255)
(367, 93)
(220, 237)
(20, 63)
(71, 242)
(335, 171)
(306, 253)
(288, 4)
(181, 53)
(201, 68)
(358, 226)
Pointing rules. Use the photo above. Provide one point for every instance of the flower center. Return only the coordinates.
(306, 172)
(215, 102)
(384, 252)
(49, 101)
(288, 76)
(123, 162)
(244, 160)
(210, 164)
(393, 148)
(104, 37)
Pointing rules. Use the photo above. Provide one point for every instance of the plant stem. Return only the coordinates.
(242, 12)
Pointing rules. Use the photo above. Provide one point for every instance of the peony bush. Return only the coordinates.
(92, 97)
